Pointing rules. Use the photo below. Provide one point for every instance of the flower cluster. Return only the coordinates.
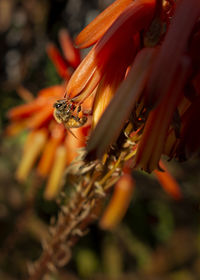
(128, 38)
(143, 70)
(143, 73)
(48, 142)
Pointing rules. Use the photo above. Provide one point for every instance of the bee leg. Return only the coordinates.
(68, 128)
(83, 120)
(77, 122)
(79, 109)
(77, 112)
(80, 121)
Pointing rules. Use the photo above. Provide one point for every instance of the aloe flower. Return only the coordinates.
(143, 68)
(106, 65)
(143, 73)
(118, 72)
(48, 142)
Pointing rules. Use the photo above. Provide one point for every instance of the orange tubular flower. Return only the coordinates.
(58, 168)
(33, 149)
(119, 203)
(157, 124)
(70, 53)
(95, 30)
(48, 140)
(58, 61)
(168, 182)
(47, 158)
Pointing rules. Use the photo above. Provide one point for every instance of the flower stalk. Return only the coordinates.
(90, 183)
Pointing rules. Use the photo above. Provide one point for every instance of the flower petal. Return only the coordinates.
(25, 94)
(60, 65)
(133, 19)
(41, 118)
(82, 75)
(49, 151)
(25, 110)
(95, 30)
(55, 178)
(168, 183)
(89, 88)
(119, 109)
(115, 73)
(31, 153)
(174, 46)
(56, 91)
(72, 144)
(157, 124)
(119, 203)
(136, 17)
(72, 55)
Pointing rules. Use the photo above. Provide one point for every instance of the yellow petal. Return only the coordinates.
(49, 150)
(31, 153)
(119, 203)
(57, 172)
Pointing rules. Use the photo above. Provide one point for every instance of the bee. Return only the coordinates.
(68, 113)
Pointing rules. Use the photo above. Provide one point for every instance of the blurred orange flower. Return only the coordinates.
(48, 142)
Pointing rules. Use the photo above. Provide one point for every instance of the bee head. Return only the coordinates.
(60, 104)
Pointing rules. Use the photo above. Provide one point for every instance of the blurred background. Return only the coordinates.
(159, 237)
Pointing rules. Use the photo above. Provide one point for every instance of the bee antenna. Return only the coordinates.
(65, 95)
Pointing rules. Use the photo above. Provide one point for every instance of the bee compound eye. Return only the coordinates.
(57, 105)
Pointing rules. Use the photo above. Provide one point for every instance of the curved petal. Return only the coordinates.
(117, 112)
(82, 75)
(172, 49)
(95, 30)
